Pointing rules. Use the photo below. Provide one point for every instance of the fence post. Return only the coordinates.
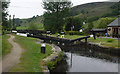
(85, 40)
(43, 48)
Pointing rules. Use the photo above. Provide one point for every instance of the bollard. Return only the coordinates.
(43, 48)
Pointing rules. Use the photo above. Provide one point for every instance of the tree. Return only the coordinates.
(83, 11)
(103, 22)
(68, 24)
(90, 26)
(93, 18)
(76, 22)
(5, 24)
(33, 26)
(55, 14)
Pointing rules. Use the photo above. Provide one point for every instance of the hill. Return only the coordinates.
(96, 9)
(26, 23)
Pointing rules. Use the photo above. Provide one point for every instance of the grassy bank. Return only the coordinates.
(73, 36)
(6, 46)
(102, 41)
(31, 59)
(69, 36)
(105, 42)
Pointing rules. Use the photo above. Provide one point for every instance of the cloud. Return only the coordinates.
(114, 0)
(4, 0)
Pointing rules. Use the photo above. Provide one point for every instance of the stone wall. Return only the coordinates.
(53, 56)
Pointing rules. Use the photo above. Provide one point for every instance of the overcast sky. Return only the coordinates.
(29, 8)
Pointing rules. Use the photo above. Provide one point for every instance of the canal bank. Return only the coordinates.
(90, 45)
(78, 41)
(51, 61)
(87, 59)
(81, 58)
(97, 47)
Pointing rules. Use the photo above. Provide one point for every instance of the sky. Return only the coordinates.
(30, 8)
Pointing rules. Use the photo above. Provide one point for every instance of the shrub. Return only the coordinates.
(110, 40)
(98, 35)
(74, 33)
(51, 65)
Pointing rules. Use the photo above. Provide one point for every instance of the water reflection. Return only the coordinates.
(83, 59)
(86, 61)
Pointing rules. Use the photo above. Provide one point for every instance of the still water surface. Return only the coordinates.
(86, 61)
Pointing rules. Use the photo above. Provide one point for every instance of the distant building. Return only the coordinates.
(114, 28)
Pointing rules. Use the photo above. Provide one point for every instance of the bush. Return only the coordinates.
(110, 40)
(98, 35)
(74, 33)
(51, 64)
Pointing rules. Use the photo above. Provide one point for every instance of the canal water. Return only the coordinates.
(79, 59)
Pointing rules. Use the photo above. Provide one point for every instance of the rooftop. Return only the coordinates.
(98, 30)
(115, 23)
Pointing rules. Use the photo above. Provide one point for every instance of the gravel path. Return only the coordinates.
(11, 59)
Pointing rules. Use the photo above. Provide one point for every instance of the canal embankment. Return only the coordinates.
(97, 45)
(51, 61)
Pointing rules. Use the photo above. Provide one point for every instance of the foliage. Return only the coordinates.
(33, 26)
(26, 23)
(110, 40)
(74, 33)
(69, 24)
(51, 64)
(92, 11)
(93, 18)
(115, 10)
(55, 14)
(76, 22)
(22, 28)
(5, 24)
(96, 24)
(90, 26)
(103, 22)
(17, 22)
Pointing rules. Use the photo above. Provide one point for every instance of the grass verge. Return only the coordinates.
(31, 60)
(105, 42)
(69, 36)
(6, 46)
